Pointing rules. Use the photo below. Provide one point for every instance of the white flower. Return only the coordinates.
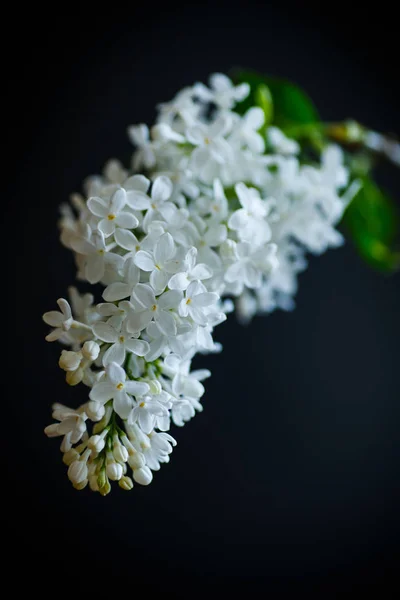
(223, 92)
(212, 147)
(111, 213)
(72, 425)
(160, 449)
(151, 309)
(197, 302)
(249, 221)
(70, 361)
(161, 191)
(246, 130)
(192, 272)
(97, 256)
(280, 143)
(115, 387)
(251, 264)
(144, 155)
(121, 342)
(148, 409)
(62, 321)
(159, 263)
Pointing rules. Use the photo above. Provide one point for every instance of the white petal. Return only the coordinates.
(180, 281)
(238, 219)
(65, 308)
(159, 280)
(166, 323)
(122, 404)
(139, 183)
(126, 239)
(254, 118)
(107, 227)
(105, 332)
(201, 271)
(165, 249)
(115, 373)
(146, 421)
(116, 291)
(118, 201)
(126, 220)
(138, 200)
(139, 320)
(144, 260)
(144, 295)
(53, 318)
(97, 207)
(137, 388)
(116, 353)
(138, 347)
(161, 190)
(102, 392)
(170, 299)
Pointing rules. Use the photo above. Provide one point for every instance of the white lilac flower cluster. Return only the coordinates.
(213, 215)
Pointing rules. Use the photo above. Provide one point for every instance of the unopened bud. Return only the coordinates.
(81, 485)
(143, 476)
(77, 471)
(106, 489)
(94, 410)
(90, 350)
(70, 456)
(97, 442)
(155, 387)
(70, 361)
(125, 483)
(74, 377)
(114, 471)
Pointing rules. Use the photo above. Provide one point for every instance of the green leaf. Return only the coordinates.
(291, 105)
(373, 223)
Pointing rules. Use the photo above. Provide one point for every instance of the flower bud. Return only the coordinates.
(102, 479)
(94, 410)
(97, 442)
(125, 483)
(70, 361)
(136, 460)
(143, 476)
(52, 430)
(155, 387)
(119, 451)
(114, 471)
(106, 489)
(93, 483)
(77, 471)
(81, 485)
(90, 350)
(74, 377)
(70, 456)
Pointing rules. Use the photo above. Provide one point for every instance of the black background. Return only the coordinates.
(291, 473)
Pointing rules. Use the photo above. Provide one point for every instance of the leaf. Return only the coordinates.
(291, 105)
(373, 223)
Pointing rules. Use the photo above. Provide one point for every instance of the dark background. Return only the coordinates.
(291, 473)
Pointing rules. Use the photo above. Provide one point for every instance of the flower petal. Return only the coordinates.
(138, 347)
(165, 249)
(144, 260)
(97, 207)
(102, 392)
(105, 332)
(116, 353)
(161, 190)
(116, 291)
(166, 323)
(115, 373)
(123, 404)
(137, 388)
(126, 239)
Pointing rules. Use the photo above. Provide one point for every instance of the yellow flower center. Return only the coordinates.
(120, 386)
(111, 217)
(142, 404)
(121, 339)
(154, 307)
(188, 301)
